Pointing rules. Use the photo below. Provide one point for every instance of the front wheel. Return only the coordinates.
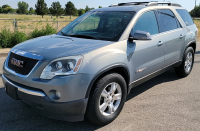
(107, 99)
(187, 63)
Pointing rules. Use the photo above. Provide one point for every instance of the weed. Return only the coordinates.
(9, 39)
(47, 30)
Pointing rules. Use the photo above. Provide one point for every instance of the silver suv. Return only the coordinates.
(87, 69)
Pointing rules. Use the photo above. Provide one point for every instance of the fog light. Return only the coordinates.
(54, 95)
(58, 94)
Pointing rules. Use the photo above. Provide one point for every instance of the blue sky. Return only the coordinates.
(188, 4)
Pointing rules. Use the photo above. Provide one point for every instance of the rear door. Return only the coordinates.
(174, 36)
(191, 30)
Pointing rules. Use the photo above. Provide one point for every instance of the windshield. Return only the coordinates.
(104, 25)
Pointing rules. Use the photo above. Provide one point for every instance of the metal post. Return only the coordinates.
(16, 26)
(195, 9)
(57, 25)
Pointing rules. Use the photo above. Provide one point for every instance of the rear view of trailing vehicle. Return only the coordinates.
(87, 69)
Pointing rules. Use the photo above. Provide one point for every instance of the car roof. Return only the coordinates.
(136, 8)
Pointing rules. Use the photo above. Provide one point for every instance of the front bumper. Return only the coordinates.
(68, 111)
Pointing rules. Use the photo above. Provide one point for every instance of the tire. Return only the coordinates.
(101, 96)
(182, 70)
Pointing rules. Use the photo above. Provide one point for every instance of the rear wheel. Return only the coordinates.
(107, 99)
(187, 63)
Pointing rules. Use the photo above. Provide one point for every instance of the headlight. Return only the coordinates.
(62, 66)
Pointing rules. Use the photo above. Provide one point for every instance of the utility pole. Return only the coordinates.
(194, 8)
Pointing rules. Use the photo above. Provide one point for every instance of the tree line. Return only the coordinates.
(42, 9)
(195, 12)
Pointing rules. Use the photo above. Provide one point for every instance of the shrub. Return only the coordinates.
(18, 37)
(47, 30)
(5, 38)
(9, 39)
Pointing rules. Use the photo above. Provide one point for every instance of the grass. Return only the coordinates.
(197, 22)
(28, 27)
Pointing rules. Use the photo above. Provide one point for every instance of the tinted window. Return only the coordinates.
(185, 16)
(147, 22)
(167, 20)
(102, 25)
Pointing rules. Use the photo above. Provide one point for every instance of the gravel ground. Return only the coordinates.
(166, 102)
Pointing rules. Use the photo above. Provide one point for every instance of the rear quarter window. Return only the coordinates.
(185, 16)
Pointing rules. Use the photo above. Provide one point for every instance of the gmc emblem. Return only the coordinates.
(16, 62)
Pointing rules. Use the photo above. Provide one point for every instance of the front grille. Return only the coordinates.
(27, 65)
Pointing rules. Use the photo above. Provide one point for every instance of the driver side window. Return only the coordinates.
(147, 22)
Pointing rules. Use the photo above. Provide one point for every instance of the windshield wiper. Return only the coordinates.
(84, 36)
(64, 34)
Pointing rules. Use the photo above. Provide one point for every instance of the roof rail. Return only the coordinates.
(163, 3)
(147, 3)
(136, 3)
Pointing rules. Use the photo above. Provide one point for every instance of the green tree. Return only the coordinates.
(197, 11)
(81, 12)
(70, 9)
(100, 6)
(13, 10)
(88, 9)
(22, 7)
(56, 9)
(31, 10)
(7, 9)
(5, 6)
(1, 9)
(41, 8)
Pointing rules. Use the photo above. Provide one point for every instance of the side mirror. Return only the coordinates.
(140, 35)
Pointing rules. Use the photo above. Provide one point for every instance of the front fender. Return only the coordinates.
(98, 60)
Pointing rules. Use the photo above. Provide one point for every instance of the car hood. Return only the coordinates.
(56, 46)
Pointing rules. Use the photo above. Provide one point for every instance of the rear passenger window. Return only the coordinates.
(185, 16)
(147, 22)
(167, 20)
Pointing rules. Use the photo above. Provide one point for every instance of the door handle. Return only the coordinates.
(181, 36)
(160, 43)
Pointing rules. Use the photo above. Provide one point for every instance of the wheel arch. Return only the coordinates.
(191, 44)
(119, 68)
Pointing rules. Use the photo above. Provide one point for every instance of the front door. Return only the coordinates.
(148, 56)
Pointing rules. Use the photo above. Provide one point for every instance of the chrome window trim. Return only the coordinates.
(25, 54)
(30, 92)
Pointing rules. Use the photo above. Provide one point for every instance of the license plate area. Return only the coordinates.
(12, 91)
